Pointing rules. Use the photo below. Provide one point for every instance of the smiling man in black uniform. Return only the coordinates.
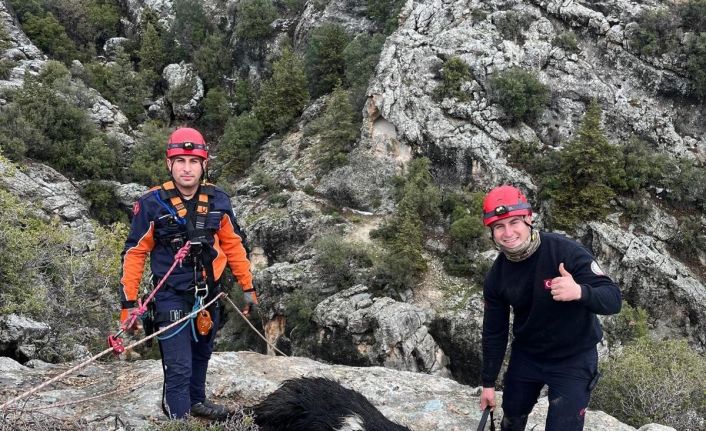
(555, 289)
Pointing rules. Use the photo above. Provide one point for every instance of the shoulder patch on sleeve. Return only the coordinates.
(136, 207)
(596, 268)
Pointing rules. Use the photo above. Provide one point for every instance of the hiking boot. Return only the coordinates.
(210, 410)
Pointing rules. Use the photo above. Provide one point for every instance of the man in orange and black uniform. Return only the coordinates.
(182, 210)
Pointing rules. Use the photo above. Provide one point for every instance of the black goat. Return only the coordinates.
(319, 404)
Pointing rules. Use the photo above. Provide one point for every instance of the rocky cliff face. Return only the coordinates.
(466, 139)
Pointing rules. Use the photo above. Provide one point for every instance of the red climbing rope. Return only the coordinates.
(114, 341)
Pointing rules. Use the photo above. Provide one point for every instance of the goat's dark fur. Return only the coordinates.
(318, 404)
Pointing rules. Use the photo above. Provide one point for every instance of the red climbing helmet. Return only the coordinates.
(503, 202)
(187, 142)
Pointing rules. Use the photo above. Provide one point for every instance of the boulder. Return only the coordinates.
(357, 329)
(185, 90)
(21, 337)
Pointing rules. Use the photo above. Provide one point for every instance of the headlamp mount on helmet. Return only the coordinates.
(501, 210)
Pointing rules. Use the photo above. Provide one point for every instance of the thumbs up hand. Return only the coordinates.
(564, 288)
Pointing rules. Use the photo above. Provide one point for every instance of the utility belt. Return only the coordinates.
(152, 318)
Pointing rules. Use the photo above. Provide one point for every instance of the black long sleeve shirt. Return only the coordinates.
(542, 327)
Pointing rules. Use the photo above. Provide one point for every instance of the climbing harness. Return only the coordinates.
(196, 231)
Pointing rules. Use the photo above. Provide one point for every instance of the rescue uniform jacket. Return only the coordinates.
(544, 328)
(155, 222)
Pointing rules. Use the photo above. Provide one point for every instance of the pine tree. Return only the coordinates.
(324, 58)
(239, 144)
(284, 95)
(151, 50)
(337, 130)
(590, 170)
(254, 19)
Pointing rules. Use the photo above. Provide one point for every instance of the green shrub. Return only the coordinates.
(526, 155)
(686, 183)
(104, 204)
(89, 23)
(402, 262)
(191, 25)
(567, 41)
(216, 112)
(627, 326)
(295, 7)
(418, 200)
(148, 166)
(418, 191)
(590, 170)
(339, 261)
(119, 83)
(284, 95)
(239, 144)
(96, 158)
(151, 51)
(30, 247)
(320, 5)
(467, 234)
(656, 33)
(385, 13)
(54, 131)
(49, 35)
(5, 42)
(696, 64)
(244, 96)
(212, 60)
(337, 131)
(520, 93)
(454, 73)
(690, 239)
(6, 66)
(17, 133)
(638, 206)
(300, 308)
(643, 166)
(512, 25)
(278, 200)
(254, 18)
(654, 381)
(66, 285)
(262, 178)
(693, 15)
(324, 61)
(24, 7)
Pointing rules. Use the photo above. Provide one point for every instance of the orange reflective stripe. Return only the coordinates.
(134, 264)
(233, 251)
